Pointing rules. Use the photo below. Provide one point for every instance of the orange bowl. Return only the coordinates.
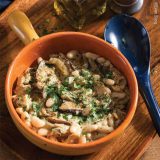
(63, 42)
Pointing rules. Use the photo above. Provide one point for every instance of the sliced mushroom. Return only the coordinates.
(45, 74)
(60, 65)
(70, 107)
(67, 62)
(85, 61)
(25, 79)
(59, 121)
(45, 113)
(93, 65)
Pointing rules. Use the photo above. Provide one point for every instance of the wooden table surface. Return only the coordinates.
(153, 152)
(140, 133)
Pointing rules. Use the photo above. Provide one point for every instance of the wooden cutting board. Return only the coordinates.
(137, 137)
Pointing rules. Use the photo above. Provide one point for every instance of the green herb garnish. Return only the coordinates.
(28, 90)
(36, 107)
(109, 75)
(86, 73)
(76, 86)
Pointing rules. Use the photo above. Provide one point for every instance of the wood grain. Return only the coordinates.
(153, 152)
(136, 138)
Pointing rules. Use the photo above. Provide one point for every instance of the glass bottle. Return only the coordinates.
(79, 12)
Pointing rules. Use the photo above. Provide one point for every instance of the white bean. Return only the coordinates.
(123, 101)
(19, 110)
(76, 129)
(72, 54)
(88, 135)
(72, 139)
(105, 129)
(70, 80)
(44, 94)
(53, 138)
(110, 120)
(119, 95)
(25, 116)
(49, 102)
(101, 60)
(115, 115)
(91, 55)
(40, 59)
(36, 122)
(107, 63)
(120, 106)
(122, 83)
(96, 77)
(116, 88)
(43, 132)
(108, 91)
(90, 128)
(82, 139)
(101, 89)
(28, 123)
(109, 82)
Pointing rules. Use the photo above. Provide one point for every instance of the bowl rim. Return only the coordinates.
(114, 133)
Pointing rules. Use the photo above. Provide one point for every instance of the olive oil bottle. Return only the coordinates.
(79, 12)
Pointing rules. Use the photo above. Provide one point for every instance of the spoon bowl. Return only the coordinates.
(131, 38)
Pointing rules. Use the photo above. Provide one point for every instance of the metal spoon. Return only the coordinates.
(131, 38)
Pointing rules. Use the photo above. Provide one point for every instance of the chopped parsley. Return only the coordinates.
(109, 75)
(55, 107)
(36, 107)
(80, 90)
(86, 73)
(51, 90)
(76, 86)
(28, 90)
(57, 102)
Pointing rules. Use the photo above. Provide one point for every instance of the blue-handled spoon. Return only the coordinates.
(131, 38)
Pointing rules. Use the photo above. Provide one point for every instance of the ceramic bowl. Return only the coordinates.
(63, 42)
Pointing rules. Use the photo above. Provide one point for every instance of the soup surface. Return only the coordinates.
(72, 98)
